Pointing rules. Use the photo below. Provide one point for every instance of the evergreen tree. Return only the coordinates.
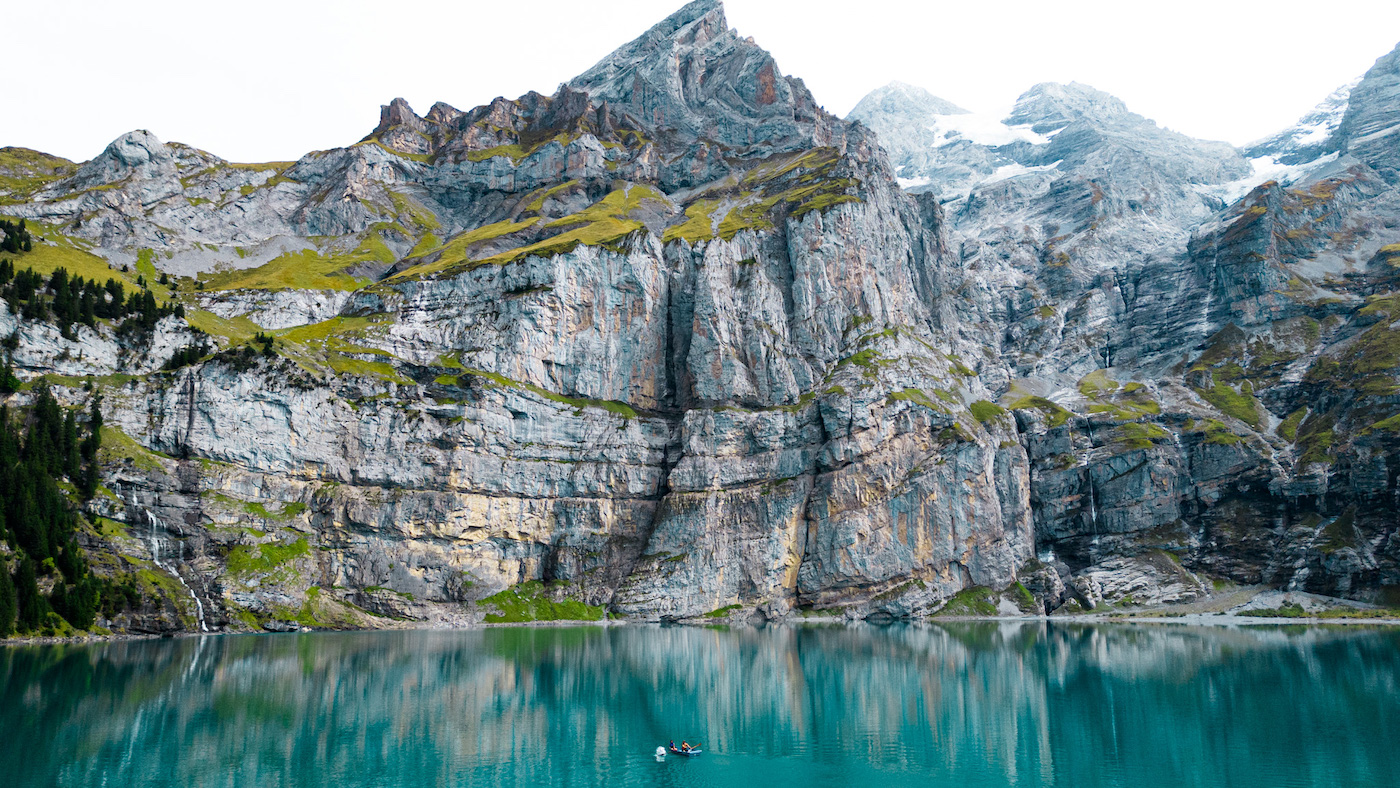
(44, 443)
(71, 463)
(88, 310)
(9, 384)
(70, 562)
(83, 602)
(39, 521)
(58, 600)
(91, 444)
(7, 602)
(32, 607)
(24, 517)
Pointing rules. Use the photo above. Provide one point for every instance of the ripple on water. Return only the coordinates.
(968, 704)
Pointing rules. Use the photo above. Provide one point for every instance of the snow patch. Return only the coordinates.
(1313, 134)
(1012, 170)
(913, 183)
(1266, 168)
(983, 129)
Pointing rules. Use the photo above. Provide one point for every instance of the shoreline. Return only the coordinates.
(1189, 619)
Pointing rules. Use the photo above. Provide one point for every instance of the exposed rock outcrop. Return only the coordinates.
(674, 343)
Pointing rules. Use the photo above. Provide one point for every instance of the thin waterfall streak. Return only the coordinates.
(174, 570)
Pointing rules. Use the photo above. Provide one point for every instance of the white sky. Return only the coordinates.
(262, 80)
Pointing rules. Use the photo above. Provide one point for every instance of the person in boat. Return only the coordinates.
(673, 745)
(685, 746)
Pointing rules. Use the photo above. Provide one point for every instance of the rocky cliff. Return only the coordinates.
(673, 343)
(1212, 327)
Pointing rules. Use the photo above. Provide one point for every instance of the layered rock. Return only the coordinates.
(1199, 354)
(673, 343)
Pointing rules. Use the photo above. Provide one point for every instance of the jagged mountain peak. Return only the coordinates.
(398, 113)
(693, 26)
(695, 23)
(911, 102)
(442, 112)
(1370, 130)
(135, 148)
(692, 74)
(1312, 136)
(1053, 129)
(136, 156)
(137, 151)
(1358, 118)
(1050, 106)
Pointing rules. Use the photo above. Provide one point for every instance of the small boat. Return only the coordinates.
(679, 751)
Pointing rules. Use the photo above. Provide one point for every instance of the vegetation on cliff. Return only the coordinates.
(47, 463)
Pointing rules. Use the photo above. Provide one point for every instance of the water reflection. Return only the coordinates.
(978, 703)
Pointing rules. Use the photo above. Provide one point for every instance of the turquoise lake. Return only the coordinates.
(966, 704)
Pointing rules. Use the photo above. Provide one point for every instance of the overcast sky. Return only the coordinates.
(262, 80)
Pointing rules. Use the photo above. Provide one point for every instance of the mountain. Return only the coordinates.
(674, 344)
(907, 119)
(1313, 136)
(627, 339)
(1141, 260)
(1371, 124)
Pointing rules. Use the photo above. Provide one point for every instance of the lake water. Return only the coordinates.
(968, 704)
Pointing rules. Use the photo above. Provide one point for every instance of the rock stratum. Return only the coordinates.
(675, 343)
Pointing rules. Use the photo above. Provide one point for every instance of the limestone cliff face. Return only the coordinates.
(673, 343)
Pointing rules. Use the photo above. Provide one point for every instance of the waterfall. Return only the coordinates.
(1301, 572)
(1093, 524)
(1210, 291)
(155, 558)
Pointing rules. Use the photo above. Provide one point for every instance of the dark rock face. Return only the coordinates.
(674, 343)
(1370, 131)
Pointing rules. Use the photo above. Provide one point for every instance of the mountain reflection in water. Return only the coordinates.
(971, 704)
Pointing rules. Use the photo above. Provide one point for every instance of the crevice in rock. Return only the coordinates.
(663, 489)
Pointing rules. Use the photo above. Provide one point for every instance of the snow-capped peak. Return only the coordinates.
(1311, 136)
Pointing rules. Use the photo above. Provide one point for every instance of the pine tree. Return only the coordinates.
(71, 463)
(58, 599)
(89, 309)
(70, 561)
(9, 384)
(8, 604)
(25, 516)
(83, 603)
(39, 521)
(91, 444)
(44, 443)
(32, 607)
